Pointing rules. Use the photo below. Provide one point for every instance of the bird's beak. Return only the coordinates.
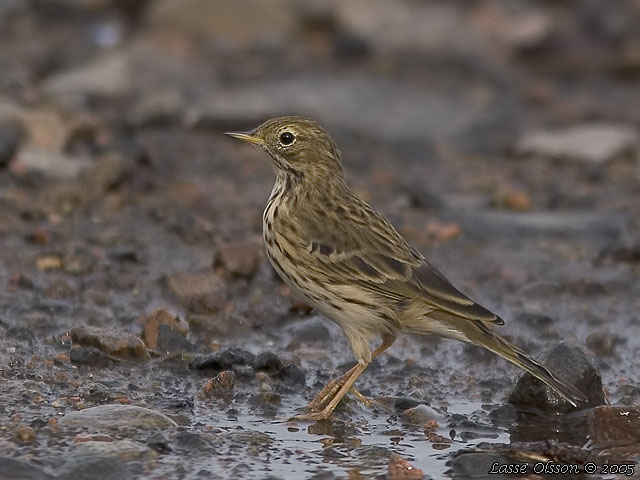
(249, 136)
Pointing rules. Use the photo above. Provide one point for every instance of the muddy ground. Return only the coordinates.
(501, 138)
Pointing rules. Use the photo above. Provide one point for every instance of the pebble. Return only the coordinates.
(24, 434)
(107, 75)
(238, 259)
(603, 343)
(590, 143)
(421, 415)
(470, 464)
(221, 384)
(125, 449)
(251, 437)
(115, 416)
(169, 339)
(109, 341)
(189, 286)
(614, 426)
(90, 356)
(223, 360)
(572, 364)
(401, 469)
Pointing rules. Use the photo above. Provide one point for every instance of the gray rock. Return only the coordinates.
(59, 166)
(223, 360)
(573, 365)
(372, 107)
(11, 469)
(590, 143)
(116, 416)
(125, 450)
(467, 464)
(108, 75)
(93, 467)
(421, 415)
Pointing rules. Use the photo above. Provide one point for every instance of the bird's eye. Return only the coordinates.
(287, 138)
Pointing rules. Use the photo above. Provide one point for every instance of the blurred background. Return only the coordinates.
(499, 136)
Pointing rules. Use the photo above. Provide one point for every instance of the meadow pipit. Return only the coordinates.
(351, 265)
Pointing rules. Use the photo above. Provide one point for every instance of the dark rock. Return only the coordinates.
(614, 426)
(313, 329)
(504, 415)
(169, 341)
(158, 442)
(165, 332)
(11, 469)
(90, 356)
(628, 394)
(191, 441)
(223, 360)
(93, 467)
(21, 334)
(9, 140)
(603, 343)
(573, 365)
(478, 464)
(125, 254)
(269, 363)
(294, 375)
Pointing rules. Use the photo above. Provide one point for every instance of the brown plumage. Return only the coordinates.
(352, 266)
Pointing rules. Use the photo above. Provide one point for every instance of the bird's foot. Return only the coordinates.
(314, 416)
(328, 393)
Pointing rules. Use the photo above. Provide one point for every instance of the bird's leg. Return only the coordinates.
(331, 395)
(329, 391)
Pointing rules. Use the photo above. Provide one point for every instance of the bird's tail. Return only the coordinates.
(498, 345)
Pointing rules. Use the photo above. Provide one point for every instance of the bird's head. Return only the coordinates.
(296, 145)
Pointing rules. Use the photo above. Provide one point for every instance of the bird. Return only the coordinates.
(351, 265)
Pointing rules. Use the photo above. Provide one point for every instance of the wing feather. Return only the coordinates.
(375, 257)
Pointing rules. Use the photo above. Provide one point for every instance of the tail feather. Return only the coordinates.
(513, 354)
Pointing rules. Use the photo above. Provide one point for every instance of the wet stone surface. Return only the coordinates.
(143, 333)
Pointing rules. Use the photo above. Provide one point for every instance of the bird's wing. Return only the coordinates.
(372, 254)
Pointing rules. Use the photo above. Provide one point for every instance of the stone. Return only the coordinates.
(107, 75)
(221, 384)
(11, 469)
(471, 464)
(238, 259)
(223, 360)
(574, 366)
(595, 143)
(614, 426)
(401, 469)
(90, 356)
(421, 415)
(115, 416)
(228, 22)
(192, 286)
(90, 466)
(603, 343)
(154, 320)
(109, 341)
